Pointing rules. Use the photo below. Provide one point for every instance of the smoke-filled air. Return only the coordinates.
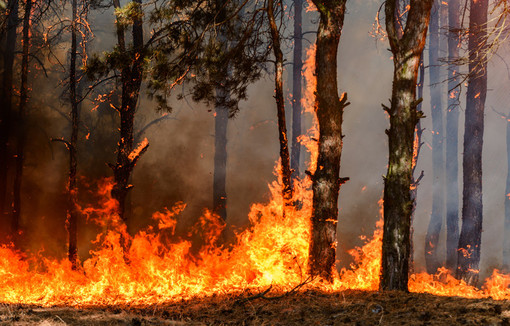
(159, 153)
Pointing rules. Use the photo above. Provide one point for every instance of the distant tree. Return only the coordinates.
(436, 95)
(297, 69)
(329, 108)
(472, 205)
(407, 50)
(8, 41)
(452, 136)
(280, 103)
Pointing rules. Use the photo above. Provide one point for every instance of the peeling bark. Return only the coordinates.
(329, 110)
(398, 205)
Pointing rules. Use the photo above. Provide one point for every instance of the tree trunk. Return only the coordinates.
(280, 106)
(297, 68)
(472, 205)
(329, 110)
(131, 78)
(436, 219)
(452, 138)
(72, 210)
(220, 158)
(398, 205)
(21, 132)
(9, 46)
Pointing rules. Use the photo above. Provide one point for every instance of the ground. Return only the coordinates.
(302, 308)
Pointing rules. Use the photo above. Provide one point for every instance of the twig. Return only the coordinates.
(262, 295)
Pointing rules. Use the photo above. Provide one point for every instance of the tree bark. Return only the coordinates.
(297, 68)
(436, 218)
(452, 137)
(506, 235)
(21, 132)
(280, 106)
(9, 46)
(398, 205)
(329, 110)
(472, 205)
(220, 158)
(131, 78)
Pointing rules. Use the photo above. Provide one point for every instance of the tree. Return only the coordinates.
(452, 137)
(297, 68)
(21, 133)
(406, 51)
(280, 106)
(436, 218)
(6, 101)
(329, 109)
(472, 205)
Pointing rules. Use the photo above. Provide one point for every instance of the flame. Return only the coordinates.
(153, 267)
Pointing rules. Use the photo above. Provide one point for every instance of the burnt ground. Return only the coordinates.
(303, 308)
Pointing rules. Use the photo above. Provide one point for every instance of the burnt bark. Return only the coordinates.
(131, 79)
(329, 109)
(21, 132)
(280, 107)
(432, 260)
(398, 205)
(8, 49)
(472, 204)
(452, 137)
(297, 68)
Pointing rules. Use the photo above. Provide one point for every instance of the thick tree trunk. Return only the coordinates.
(280, 106)
(472, 205)
(131, 78)
(297, 68)
(220, 158)
(452, 138)
(398, 205)
(506, 241)
(329, 109)
(21, 132)
(433, 262)
(9, 45)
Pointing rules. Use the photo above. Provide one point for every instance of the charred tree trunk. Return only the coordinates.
(329, 110)
(297, 68)
(452, 137)
(398, 205)
(436, 219)
(472, 205)
(280, 105)
(131, 79)
(21, 132)
(220, 158)
(8, 49)
(506, 236)
(72, 209)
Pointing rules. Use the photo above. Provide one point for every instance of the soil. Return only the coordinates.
(302, 308)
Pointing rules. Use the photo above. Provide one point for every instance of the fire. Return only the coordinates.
(149, 268)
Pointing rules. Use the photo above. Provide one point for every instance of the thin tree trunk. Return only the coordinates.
(329, 109)
(220, 158)
(452, 137)
(131, 78)
(436, 218)
(6, 101)
(472, 204)
(398, 205)
(72, 211)
(21, 132)
(297, 68)
(280, 105)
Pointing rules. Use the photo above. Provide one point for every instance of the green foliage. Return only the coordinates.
(128, 14)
